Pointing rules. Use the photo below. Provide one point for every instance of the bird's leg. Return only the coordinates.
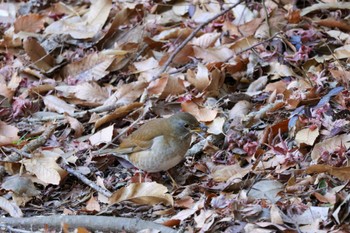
(175, 185)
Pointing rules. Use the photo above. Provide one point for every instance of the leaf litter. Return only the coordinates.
(271, 85)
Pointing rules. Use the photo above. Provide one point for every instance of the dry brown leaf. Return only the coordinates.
(38, 55)
(306, 136)
(93, 205)
(342, 173)
(85, 93)
(206, 40)
(149, 193)
(76, 126)
(330, 145)
(54, 103)
(166, 86)
(126, 94)
(21, 186)
(203, 114)
(118, 113)
(8, 134)
(216, 54)
(91, 68)
(11, 208)
(147, 69)
(44, 166)
(30, 23)
(200, 79)
(266, 189)
(223, 173)
(83, 27)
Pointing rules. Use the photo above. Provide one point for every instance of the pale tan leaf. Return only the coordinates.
(91, 68)
(330, 145)
(75, 125)
(126, 94)
(44, 166)
(217, 54)
(307, 136)
(200, 79)
(206, 40)
(11, 208)
(54, 103)
(223, 173)
(201, 113)
(143, 193)
(216, 127)
(8, 134)
(266, 189)
(102, 136)
(93, 205)
(83, 27)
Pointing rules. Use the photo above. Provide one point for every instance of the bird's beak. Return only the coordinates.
(202, 128)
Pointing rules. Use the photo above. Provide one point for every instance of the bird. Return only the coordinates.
(159, 144)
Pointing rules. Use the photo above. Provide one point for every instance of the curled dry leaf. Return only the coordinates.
(93, 205)
(223, 173)
(86, 26)
(93, 67)
(103, 136)
(29, 23)
(38, 55)
(118, 113)
(8, 134)
(75, 125)
(216, 127)
(126, 94)
(21, 186)
(54, 103)
(201, 113)
(330, 145)
(266, 189)
(166, 86)
(342, 173)
(149, 193)
(11, 208)
(200, 79)
(307, 136)
(86, 93)
(44, 166)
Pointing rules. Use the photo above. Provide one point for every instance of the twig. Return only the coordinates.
(86, 181)
(92, 223)
(32, 145)
(190, 37)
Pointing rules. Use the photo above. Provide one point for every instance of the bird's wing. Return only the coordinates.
(142, 139)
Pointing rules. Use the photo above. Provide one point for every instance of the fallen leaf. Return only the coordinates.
(330, 145)
(266, 189)
(11, 208)
(149, 193)
(8, 134)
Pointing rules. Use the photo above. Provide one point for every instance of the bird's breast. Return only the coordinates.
(164, 154)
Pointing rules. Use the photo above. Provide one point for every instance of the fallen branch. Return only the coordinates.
(92, 223)
(190, 37)
(86, 181)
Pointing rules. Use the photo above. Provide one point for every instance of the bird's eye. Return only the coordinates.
(186, 125)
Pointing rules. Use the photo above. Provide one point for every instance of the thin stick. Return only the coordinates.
(190, 37)
(86, 181)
